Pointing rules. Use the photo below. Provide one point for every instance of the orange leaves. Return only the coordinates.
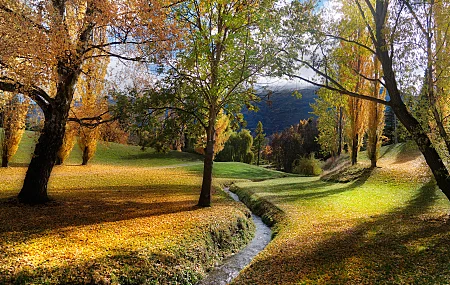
(111, 222)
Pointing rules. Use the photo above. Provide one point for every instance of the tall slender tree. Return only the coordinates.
(14, 116)
(259, 141)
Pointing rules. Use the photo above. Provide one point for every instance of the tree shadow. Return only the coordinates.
(400, 247)
(313, 189)
(82, 207)
(408, 152)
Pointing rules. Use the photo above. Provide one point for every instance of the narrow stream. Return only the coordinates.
(232, 265)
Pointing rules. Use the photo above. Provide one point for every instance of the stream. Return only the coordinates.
(232, 265)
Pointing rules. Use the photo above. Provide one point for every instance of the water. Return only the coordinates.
(232, 265)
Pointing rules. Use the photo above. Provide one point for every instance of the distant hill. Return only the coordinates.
(281, 109)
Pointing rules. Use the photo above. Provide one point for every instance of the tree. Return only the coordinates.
(391, 27)
(329, 108)
(375, 117)
(68, 142)
(44, 47)
(14, 115)
(259, 141)
(90, 88)
(216, 69)
(237, 148)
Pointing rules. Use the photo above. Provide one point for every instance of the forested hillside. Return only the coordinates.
(281, 109)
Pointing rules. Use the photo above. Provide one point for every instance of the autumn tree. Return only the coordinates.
(44, 47)
(68, 143)
(259, 141)
(399, 38)
(91, 91)
(14, 114)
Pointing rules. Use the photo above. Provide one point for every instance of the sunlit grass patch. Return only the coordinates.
(238, 170)
(116, 225)
(389, 227)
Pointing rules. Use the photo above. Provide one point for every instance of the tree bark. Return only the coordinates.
(4, 157)
(34, 189)
(85, 155)
(205, 194)
(354, 152)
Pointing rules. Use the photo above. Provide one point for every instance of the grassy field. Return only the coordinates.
(389, 227)
(120, 220)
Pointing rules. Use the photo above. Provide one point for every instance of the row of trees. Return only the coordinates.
(212, 52)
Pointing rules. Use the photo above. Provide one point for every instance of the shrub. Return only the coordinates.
(307, 166)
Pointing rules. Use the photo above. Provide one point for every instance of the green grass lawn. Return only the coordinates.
(112, 154)
(391, 227)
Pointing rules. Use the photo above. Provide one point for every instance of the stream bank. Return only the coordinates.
(232, 265)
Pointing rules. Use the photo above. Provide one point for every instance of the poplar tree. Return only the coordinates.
(14, 115)
(259, 141)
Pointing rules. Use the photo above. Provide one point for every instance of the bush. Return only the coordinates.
(307, 166)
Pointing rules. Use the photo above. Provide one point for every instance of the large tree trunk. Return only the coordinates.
(205, 194)
(34, 189)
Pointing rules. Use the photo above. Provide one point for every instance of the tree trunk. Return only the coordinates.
(354, 152)
(340, 130)
(259, 153)
(85, 155)
(4, 157)
(34, 190)
(205, 194)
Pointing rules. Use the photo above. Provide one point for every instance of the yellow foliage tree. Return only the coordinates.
(14, 116)
(68, 143)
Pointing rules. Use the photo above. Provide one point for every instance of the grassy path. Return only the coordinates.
(391, 227)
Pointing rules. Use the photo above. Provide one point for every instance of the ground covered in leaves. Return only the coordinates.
(111, 224)
(388, 227)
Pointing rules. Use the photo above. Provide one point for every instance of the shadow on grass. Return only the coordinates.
(408, 152)
(312, 189)
(79, 207)
(401, 247)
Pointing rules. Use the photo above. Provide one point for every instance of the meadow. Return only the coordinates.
(130, 217)
(390, 226)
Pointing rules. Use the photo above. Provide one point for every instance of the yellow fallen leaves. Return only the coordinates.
(111, 225)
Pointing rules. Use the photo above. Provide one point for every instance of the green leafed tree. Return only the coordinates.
(216, 69)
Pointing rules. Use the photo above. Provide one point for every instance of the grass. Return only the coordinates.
(119, 220)
(237, 170)
(111, 154)
(388, 227)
